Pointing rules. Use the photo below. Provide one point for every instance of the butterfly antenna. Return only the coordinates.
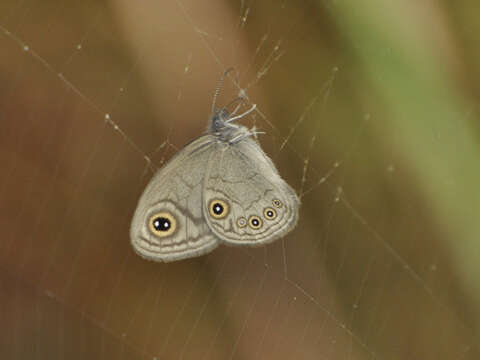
(219, 87)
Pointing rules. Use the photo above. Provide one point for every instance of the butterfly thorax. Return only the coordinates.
(224, 130)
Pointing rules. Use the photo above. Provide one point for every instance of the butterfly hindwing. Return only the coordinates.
(258, 205)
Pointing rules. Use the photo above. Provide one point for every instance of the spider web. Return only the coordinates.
(96, 96)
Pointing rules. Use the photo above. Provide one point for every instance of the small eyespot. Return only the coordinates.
(255, 222)
(241, 222)
(218, 208)
(162, 224)
(269, 213)
(277, 203)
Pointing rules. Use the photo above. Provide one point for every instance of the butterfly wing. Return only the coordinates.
(245, 199)
(168, 223)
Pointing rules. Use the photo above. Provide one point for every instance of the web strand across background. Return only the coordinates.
(95, 97)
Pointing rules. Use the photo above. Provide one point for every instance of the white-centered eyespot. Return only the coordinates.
(255, 222)
(162, 224)
(218, 208)
(241, 222)
(269, 213)
(277, 203)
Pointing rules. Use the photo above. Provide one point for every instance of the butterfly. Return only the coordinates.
(221, 188)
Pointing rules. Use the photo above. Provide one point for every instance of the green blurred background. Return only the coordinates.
(371, 112)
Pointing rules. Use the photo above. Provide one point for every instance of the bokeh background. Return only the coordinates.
(371, 112)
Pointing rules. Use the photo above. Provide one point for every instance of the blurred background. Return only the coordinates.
(371, 113)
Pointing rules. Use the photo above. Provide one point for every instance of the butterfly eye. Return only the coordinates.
(277, 203)
(241, 222)
(162, 224)
(269, 213)
(218, 208)
(255, 222)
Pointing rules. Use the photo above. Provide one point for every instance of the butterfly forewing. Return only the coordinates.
(168, 224)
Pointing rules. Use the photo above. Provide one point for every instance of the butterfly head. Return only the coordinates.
(219, 120)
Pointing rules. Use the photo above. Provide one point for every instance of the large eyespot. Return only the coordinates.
(218, 208)
(255, 222)
(277, 203)
(241, 222)
(162, 224)
(269, 213)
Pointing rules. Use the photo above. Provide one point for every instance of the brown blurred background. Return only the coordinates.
(370, 111)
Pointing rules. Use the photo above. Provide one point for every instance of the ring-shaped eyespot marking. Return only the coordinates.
(162, 224)
(218, 208)
(241, 222)
(255, 222)
(277, 203)
(269, 213)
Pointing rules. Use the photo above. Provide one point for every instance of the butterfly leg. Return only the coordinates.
(254, 132)
(254, 106)
(240, 137)
(245, 134)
